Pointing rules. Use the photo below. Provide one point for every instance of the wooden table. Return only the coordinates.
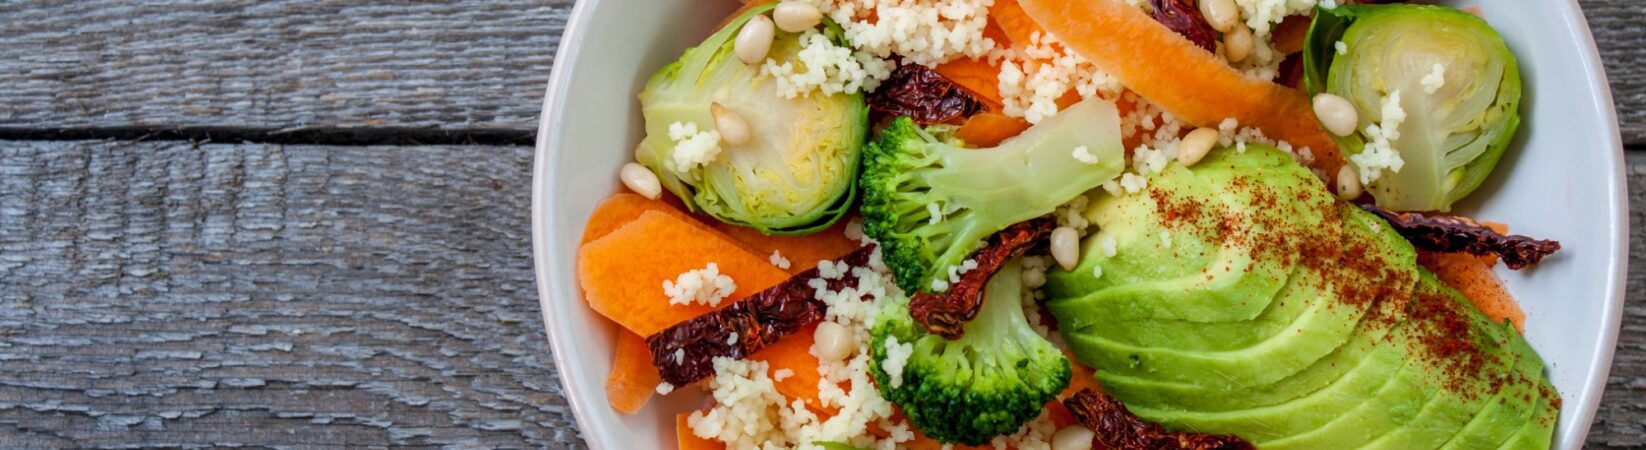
(280, 223)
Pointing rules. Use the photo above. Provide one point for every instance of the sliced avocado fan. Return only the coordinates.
(1238, 296)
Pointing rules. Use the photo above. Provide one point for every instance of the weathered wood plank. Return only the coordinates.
(459, 65)
(285, 296)
(471, 64)
(1619, 27)
(300, 296)
(1621, 421)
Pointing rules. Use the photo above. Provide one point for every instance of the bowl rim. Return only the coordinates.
(544, 250)
(543, 229)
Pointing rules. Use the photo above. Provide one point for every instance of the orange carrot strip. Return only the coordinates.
(1183, 79)
(688, 441)
(1016, 24)
(633, 378)
(622, 273)
(987, 129)
(803, 252)
(977, 77)
(622, 208)
(1474, 278)
(1082, 378)
(993, 31)
(1060, 415)
(795, 353)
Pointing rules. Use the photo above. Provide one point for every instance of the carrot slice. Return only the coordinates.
(1474, 278)
(795, 353)
(1081, 379)
(1060, 414)
(633, 378)
(987, 129)
(1183, 79)
(803, 252)
(688, 441)
(977, 77)
(993, 31)
(619, 210)
(1016, 24)
(622, 273)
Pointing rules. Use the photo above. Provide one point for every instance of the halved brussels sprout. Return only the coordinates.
(1458, 86)
(796, 172)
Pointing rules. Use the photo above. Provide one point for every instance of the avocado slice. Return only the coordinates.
(1419, 410)
(1504, 415)
(1243, 298)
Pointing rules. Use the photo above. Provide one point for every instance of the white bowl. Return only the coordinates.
(1563, 180)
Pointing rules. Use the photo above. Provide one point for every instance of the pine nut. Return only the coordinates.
(1196, 145)
(1066, 247)
(754, 40)
(833, 342)
(1237, 43)
(640, 180)
(1348, 183)
(1221, 14)
(1073, 437)
(796, 16)
(733, 129)
(1336, 114)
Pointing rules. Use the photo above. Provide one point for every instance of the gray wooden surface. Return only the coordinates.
(159, 292)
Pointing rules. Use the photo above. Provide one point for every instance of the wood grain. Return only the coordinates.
(1621, 421)
(1619, 27)
(163, 294)
(278, 65)
(292, 65)
(305, 296)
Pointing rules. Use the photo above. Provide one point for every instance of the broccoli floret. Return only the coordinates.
(931, 202)
(988, 383)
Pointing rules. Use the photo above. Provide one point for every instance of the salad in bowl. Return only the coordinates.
(1045, 224)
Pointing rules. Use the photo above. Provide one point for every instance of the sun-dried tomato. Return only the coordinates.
(1291, 71)
(1452, 234)
(684, 353)
(946, 313)
(1117, 428)
(1184, 17)
(922, 94)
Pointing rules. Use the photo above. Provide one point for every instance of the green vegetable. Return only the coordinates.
(911, 172)
(795, 174)
(985, 384)
(1453, 137)
(1278, 314)
(830, 445)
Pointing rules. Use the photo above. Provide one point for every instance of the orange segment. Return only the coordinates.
(633, 378)
(1183, 79)
(622, 273)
